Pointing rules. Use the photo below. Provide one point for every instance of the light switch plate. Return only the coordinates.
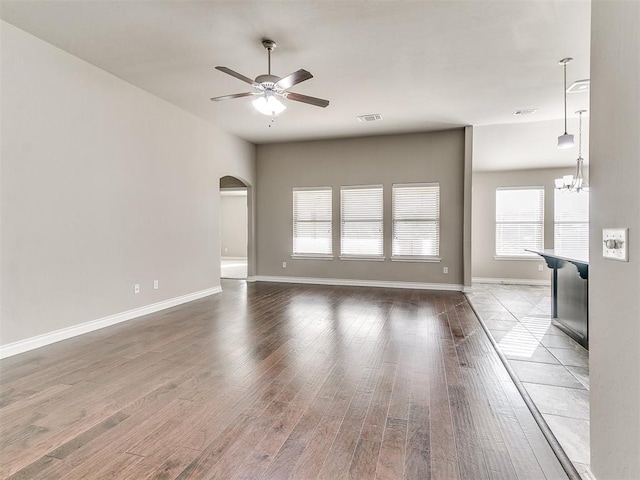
(621, 238)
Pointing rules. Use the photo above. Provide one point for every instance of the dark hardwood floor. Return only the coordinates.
(274, 381)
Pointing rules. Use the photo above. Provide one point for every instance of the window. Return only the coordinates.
(361, 221)
(519, 221)
(312, 235)
(416, 220)
(571, 226)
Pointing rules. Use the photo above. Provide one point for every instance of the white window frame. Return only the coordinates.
(559, 223)
(365, 256)
(297, 221)
(420, 217)
(539, 222)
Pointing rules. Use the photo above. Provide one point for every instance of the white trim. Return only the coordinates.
(310, 256)
(589, 474)
(365, 258)
(359, 283)
(233, 192)
(234, 258)
(467, 289)
(517, 257)
(38, 341)
(511, 281)
(250, 279)
(416, 258)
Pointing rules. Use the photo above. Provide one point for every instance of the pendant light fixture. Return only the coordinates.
(566, 139)
(575, 183)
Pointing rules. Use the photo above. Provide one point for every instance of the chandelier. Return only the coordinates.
(575, 183)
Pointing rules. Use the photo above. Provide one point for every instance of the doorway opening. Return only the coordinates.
(233, 228)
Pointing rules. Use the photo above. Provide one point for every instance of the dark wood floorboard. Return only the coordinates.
(274, 381)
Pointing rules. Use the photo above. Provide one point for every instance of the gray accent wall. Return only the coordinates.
(614, 287)
(483, 240)
(103, 186)
(422, 157)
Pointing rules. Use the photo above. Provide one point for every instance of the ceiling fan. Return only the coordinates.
(268, 87)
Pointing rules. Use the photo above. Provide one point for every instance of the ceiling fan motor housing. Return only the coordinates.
(268, 44)
(267, 79)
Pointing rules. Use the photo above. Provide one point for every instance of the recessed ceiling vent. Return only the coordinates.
(372, 117)
(525, 111)
(579, 86)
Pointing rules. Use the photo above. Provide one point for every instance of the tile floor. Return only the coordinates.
(553, 367)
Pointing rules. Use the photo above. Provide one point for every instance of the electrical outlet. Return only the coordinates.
(136, 288)
(540, 268)
(445, 269)
(284, 264)
(156, 284)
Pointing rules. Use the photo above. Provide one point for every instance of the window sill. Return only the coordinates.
(309, 256)
(416, 259)
(535, 258)
(362, 257)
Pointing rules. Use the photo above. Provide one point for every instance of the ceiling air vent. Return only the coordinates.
(525, 111)
(579, 86)
(372, 117)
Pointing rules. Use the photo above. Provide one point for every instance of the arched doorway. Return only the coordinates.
(234, 231)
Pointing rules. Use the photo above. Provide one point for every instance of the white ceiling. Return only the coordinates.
(527, 145)
(423, 65)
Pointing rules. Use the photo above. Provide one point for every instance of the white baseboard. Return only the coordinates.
(468, 289)
(358, 283)
(234, 258)
(511, 281)
(250, 279)
(589, 474)
(38, 341)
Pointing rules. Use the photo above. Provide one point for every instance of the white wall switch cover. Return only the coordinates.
(615, 244)
(155, 284)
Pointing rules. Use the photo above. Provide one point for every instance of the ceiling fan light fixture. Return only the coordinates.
(268, 85)
(268, 105)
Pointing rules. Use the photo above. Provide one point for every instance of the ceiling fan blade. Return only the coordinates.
(318, 102)
(293, 79)
(235, 95)
(239, 76)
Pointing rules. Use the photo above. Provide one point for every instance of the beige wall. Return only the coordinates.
(614, 300)
(233, 225)
(103, 186)
(426, 157)
(483, 241)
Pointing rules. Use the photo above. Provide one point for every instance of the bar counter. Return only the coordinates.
(570, 292)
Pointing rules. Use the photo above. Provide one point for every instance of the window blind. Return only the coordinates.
(361, 221)
(571, 221)
(416, 220)
(312, 234)
(519, 220)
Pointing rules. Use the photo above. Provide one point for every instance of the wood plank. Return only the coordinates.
(391, 458)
